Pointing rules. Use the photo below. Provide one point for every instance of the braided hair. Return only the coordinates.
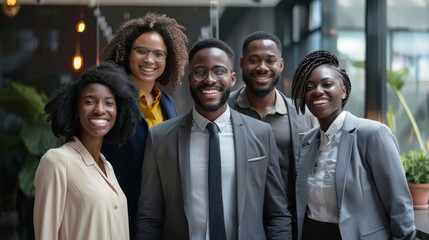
(119, 48)
(307, 64)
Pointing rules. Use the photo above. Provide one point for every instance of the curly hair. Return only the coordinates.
(307, 64)
(61, 109)
(261, 35)
(119, 48)
(211, 43)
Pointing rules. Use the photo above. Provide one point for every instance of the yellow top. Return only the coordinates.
(153, 112)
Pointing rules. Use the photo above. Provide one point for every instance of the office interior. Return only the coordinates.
(374, 40)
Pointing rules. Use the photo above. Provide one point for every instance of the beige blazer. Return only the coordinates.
(75, 199)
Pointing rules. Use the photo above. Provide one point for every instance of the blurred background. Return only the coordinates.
(382, 44)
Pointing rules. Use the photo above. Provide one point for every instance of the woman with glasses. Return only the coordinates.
(153, 50)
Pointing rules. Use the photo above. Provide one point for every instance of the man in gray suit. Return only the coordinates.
(174, 201)
(262, 64)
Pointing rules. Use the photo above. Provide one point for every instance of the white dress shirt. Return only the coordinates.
(195, 177)
(322, 200)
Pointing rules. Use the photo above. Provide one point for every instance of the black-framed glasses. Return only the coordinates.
(142, 52)
(217, 72)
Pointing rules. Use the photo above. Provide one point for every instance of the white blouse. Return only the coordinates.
(321, 194)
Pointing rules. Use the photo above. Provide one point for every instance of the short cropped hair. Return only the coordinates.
(61, 109)
(211, 43)
(119, 48)
(307, 64)
(261, 35)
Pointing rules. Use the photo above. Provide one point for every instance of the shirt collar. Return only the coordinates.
(157, 95)
(279, 105)
(335, 127)
(86, 156)
(221, 121)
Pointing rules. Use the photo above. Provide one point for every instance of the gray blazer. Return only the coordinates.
(261, 202)
(372, 195)
(298, 125)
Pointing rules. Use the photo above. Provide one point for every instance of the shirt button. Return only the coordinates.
(115, 207)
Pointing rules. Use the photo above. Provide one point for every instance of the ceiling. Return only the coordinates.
(239, 3)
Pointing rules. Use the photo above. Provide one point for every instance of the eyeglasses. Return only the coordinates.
(217, 72)
(142, 52)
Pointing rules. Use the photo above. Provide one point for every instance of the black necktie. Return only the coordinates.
(216, 219)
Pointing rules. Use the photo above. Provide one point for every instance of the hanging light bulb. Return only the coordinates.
(11, 8)
(11, 2)
(77, 62)
(80, 26)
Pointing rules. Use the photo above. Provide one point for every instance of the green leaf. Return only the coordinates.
(397, 78)
(39, 139)
(359, 64)
(391, 122)
(34, 102)
(13, 103)
(26, 175)
(416, 166)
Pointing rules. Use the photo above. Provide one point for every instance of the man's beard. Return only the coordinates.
(211, 108)
(260, 92)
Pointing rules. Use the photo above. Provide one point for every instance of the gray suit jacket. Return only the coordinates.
(373, 199)
(261, 202)
(299, 124)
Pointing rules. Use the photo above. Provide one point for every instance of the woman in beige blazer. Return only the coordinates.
(350, 180)
(77, 194)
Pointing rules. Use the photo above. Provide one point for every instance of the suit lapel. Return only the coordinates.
(344, 157)
(304, 168)
(167, 106)
(183, 139)
(293, 128)
(240, 145)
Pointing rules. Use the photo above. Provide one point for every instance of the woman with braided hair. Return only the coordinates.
(153, 50)
(350, 180)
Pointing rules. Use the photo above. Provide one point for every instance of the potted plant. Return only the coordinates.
(25, 136)
(416, 165)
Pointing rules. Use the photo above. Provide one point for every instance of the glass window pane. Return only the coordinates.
(350, 30)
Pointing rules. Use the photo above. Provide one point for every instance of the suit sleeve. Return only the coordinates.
(389, 176)
(150, 212)
(51, 189)
(277, 219)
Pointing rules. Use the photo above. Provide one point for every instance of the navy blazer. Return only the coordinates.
(373, 200)
(127, 160)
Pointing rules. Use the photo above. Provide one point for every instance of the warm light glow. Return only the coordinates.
(333, 31)
(11, 2)
(81, 26)
(10, 8)
(77, 62)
